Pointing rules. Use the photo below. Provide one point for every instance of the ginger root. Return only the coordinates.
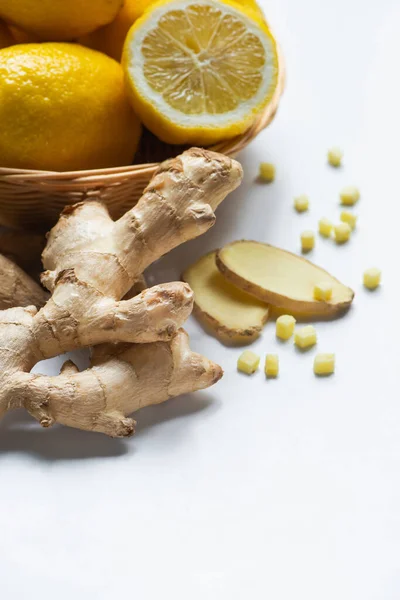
(141, 356)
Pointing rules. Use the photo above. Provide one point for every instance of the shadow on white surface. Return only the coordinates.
(19, 432)
(183, 406)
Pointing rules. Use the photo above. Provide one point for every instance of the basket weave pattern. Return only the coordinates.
(30, 199)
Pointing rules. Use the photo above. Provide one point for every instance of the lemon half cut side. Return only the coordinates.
(199, 71)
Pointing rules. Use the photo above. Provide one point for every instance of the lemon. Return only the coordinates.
(6, 38)
(63, 107)
(252, 5)
(199, 71)
(110, 38)
(54, 20)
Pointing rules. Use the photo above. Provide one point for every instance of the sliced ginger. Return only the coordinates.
(231, 314)
(280, 278)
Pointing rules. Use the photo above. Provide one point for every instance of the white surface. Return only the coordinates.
(287, 489)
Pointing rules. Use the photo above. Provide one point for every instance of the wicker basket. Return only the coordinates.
(34, 199)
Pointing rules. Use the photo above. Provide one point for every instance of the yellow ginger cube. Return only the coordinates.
(271, 365)
(342, 233)
(348, 217)
(307, 241)
(248, 362)
(301, 203)
(267, 172)
(349, 195)
(372, 278)
(305, 337)
(285, 327)
(335, 156)
(324, 364)
(325, 227)
(323, 291)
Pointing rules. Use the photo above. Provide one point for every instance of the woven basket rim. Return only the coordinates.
(230, 147)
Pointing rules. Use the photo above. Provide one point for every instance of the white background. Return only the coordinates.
(287, 489)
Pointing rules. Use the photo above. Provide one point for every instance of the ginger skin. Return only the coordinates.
(141, 356)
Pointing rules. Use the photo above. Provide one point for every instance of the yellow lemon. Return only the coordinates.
(63, 107)
(6, 38)
(199, 71)
(251, 5)
(58, 20)
(110, 38)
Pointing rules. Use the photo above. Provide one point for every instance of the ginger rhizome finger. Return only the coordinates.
(141, 355)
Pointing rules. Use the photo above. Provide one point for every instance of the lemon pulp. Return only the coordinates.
(202, 60)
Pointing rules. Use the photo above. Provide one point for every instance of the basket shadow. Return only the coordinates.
(20, 434)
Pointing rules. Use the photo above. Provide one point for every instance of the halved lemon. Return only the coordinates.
(199, 71)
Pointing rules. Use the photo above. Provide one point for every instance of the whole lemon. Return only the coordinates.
(110, 38)
(58, 20)
(64, 107)
(6, 38)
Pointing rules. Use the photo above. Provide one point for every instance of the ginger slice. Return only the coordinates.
(281, 278)
(229, 313)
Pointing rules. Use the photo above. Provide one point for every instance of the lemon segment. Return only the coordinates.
(199, 71)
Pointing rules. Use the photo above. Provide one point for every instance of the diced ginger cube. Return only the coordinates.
(267, 172)
(305, 337)
(342, 233)
(335, 156)
(349, 195)
(323, 291)
(307, 241)
(271, 365)
(301, 203)
(349, 218)
(325, 227)
(248, 362)
(324, 364)
(285, 327)
(372, 278)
